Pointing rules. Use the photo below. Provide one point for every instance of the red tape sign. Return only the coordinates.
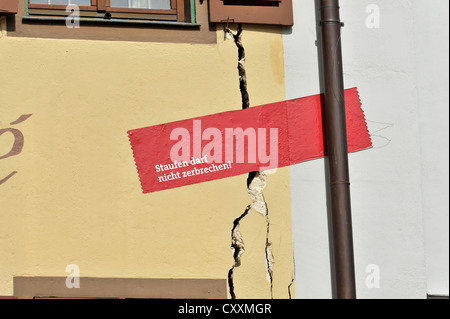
(238, 142)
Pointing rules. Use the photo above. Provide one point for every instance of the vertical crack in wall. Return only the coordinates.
(241, 65)
(293, 276)
(289, 288)
(269, 259)
(238, 248)
(256, 182)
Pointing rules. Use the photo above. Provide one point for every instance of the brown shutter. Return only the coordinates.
(275, 12)
(8, 6)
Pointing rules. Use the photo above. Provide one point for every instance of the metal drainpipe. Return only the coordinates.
(337, 150)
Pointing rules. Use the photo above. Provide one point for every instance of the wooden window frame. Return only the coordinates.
(104, 6)
(8, 7)
(269, 12)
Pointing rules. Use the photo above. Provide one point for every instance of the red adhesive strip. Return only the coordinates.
(238, 142)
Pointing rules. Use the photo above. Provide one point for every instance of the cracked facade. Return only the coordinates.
(77, 198)
(256, 182)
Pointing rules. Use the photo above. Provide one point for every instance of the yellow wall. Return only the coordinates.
(76, 198)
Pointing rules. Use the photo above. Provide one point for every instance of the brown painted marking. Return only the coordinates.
(19, 141)
(8, 177)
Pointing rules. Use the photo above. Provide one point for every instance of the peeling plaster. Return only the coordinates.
(255, 187)
(255, 190)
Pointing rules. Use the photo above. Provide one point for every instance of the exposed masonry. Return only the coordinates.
(255, 186)
(256, 182)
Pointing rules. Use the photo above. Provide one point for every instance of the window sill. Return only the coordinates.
(40, 19)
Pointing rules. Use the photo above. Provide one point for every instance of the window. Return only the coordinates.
(274, 12)
(165, 10)
(185, 22)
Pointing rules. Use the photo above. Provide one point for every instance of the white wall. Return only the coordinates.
(432, 49)
(389, 65)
